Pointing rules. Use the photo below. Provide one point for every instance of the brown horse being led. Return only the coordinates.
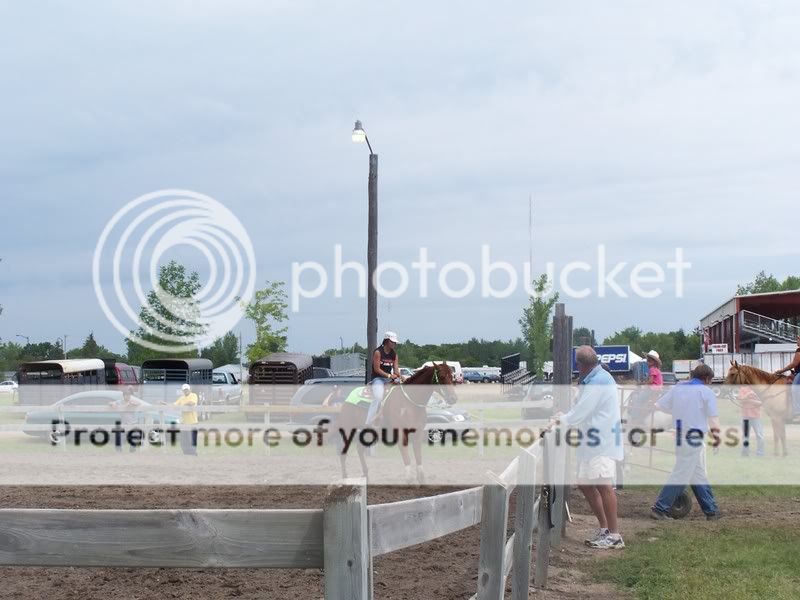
(775, 397)
(403, 417)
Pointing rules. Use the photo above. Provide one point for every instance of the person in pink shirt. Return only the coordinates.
(654, 366)
(751, 420)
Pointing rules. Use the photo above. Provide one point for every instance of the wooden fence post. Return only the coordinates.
(562, 377)
(491, 563)
(542, 560)
(523, 526)
(346, 547)
(559, 480)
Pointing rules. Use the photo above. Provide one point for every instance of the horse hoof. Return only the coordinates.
(409, 476)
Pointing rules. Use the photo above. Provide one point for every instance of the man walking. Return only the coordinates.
(694, 411)
(597, 417)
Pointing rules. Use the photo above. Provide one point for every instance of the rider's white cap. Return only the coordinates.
(391, 336)
(185, 387)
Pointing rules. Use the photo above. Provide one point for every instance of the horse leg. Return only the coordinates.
(417, 441)
(775, 435)
(780, 432)
(406, 457)
(361, 451)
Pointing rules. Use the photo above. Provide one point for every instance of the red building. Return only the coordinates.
(744, 321)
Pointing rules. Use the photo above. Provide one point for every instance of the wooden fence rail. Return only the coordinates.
(342, 538)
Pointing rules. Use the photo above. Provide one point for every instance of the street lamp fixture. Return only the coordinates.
(360, 136)
(25, 337)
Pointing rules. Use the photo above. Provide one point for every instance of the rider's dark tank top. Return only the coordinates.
(387, 361)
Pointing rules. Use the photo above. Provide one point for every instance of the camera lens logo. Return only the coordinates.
(132, 248)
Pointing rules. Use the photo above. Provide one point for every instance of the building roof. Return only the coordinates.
(778, 305)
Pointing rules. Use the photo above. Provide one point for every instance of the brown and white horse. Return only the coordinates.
(403, 417)
(774, 393)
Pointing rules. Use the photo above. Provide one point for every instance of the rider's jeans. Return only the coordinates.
(377, 396)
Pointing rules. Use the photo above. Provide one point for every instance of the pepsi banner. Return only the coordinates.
(616, 357)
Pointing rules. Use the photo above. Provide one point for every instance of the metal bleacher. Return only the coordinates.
(768, 328)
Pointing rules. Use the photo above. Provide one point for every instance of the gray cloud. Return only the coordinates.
(642, 127)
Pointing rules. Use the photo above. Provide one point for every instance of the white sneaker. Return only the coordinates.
(598, 534)
(611, 541)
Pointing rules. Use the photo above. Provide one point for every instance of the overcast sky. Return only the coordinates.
(641, 126)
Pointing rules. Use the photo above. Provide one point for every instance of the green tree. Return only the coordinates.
(224, 350)
(536, 323)
(175, 315)
(630, 336)
(763, 283)
(91, 349)
(10, 356)
(581, 335)
(267, 311)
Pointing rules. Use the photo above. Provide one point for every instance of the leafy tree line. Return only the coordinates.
(267, 311)
(763, 283)
(472, 353)
(177, 317)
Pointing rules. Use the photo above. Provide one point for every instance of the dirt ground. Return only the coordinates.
(445, 569)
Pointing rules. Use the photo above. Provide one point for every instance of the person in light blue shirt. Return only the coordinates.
(694, 411)
(596, 418)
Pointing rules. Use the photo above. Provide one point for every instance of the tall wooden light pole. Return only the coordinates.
(359, 135)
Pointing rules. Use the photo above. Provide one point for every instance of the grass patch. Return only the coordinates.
(729, 562)
(734, 491)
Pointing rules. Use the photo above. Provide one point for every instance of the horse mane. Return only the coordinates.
(759, 374)
(418, 375)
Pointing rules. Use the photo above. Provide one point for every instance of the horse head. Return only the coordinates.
(735, 375)
(443, 376)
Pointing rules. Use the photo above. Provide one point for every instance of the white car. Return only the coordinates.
(9, 387)
(227, 389)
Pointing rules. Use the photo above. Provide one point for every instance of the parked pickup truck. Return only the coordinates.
(226, 388)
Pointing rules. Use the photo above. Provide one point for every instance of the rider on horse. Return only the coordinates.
(385, 368)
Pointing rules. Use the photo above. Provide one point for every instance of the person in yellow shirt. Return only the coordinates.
(188, 417)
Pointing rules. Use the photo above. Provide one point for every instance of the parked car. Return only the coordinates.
(669, 378)
(472, 377)
(9, 388)
(541, 395)
(323, 373)
(226, 389)
(105, 415)
(315, 391)
(406, 372)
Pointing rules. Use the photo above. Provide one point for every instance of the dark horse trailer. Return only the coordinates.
(162, 379)
(48, 381)
(275, 378)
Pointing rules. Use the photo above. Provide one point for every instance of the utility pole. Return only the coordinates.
(241, 358)
(359, 135)
(372, 261)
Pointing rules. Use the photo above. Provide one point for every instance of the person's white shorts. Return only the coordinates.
(597, 467)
